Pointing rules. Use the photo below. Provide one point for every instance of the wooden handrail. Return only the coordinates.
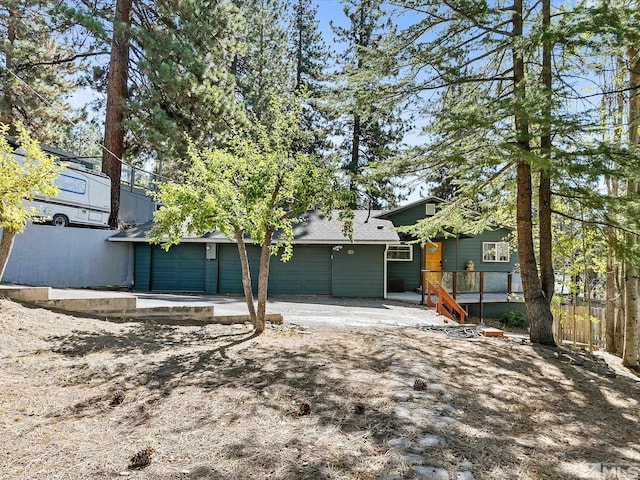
(446, 304)
(428, 290)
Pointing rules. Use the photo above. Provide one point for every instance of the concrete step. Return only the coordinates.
(177, 315)
(123, 308)
(25, 294)
(89, 305)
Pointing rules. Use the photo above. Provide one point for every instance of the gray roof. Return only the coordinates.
(313, 228)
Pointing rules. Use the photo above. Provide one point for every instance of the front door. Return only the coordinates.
(433, 262)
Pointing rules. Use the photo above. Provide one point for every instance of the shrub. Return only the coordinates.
(515, 319)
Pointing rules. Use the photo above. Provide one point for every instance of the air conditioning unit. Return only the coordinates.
(430, 208)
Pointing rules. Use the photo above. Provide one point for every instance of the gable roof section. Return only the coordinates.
(314, 228)
(408, 206)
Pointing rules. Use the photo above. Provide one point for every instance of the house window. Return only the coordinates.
(400, 253)
(495, 251)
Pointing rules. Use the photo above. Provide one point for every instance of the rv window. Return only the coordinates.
(71, 184)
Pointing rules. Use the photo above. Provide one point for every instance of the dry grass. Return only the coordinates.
(219, 403)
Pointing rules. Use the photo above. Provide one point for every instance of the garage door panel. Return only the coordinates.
(181, 269)
(307, 272)
(230, 273)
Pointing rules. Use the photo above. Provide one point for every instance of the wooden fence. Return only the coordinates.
(582, 325)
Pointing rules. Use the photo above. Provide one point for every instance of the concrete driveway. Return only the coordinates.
(300, 309)
(309, 310)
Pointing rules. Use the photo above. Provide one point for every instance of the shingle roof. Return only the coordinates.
(314, 228)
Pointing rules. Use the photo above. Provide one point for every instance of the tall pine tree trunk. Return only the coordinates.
(630, 350)
(6, 105)
(547, 276)
(610, 305)
(352, 167)
(6, 245)
(246, 275)
(614, 307)
(538, 308)
(116, 94)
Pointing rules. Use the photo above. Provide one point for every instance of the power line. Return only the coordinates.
(71, 122)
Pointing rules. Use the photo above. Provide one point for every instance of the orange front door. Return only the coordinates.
(433, 262)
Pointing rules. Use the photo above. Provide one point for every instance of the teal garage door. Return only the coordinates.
(308, 271)
(181, 269)
(230, 273)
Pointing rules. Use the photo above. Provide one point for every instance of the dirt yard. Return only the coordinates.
(314, 403)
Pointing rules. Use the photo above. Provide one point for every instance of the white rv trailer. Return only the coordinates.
(84, 197)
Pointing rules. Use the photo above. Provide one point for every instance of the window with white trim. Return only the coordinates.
(495, 251)
(400, 253)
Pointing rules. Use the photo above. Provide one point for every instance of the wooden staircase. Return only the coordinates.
(445, 304)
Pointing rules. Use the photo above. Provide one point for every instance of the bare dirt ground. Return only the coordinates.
(219, 403)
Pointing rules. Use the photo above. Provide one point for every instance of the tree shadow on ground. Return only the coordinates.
(536, 412)
(267, 373)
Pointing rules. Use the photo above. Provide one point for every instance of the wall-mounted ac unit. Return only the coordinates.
(430, 208)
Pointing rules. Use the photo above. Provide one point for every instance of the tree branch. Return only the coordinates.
(594, 222)
(59, 61)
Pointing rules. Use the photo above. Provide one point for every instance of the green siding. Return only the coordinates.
(471, 249)
(181, 269)
(142, 267)
(359, 274)
(409, 272)
(408, 216)
(307, 272)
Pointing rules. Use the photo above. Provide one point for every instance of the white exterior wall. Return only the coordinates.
(69, 257)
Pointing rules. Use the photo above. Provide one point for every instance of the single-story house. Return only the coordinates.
(324, 260)
(377, 262)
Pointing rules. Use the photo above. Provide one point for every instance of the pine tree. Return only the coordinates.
(114, 129)
(371, 123)
(495, 104)
(311, 56)
(181, 84)
(265, 68)
(41, 56)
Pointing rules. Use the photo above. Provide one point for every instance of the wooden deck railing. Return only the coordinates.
(446, 304)
(462, 282)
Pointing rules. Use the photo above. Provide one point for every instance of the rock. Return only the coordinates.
(402, 397)
(429, 440)
(427, 472)
(442, 420)
(400, 442)
(402, 412)
(412, 458)
(466, 475)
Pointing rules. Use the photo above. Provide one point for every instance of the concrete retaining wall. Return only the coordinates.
(69, 257)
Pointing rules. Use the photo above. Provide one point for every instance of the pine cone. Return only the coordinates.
(359, 408)
(304, 408)
(141, 459)
(419, 384)
(117, 398)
